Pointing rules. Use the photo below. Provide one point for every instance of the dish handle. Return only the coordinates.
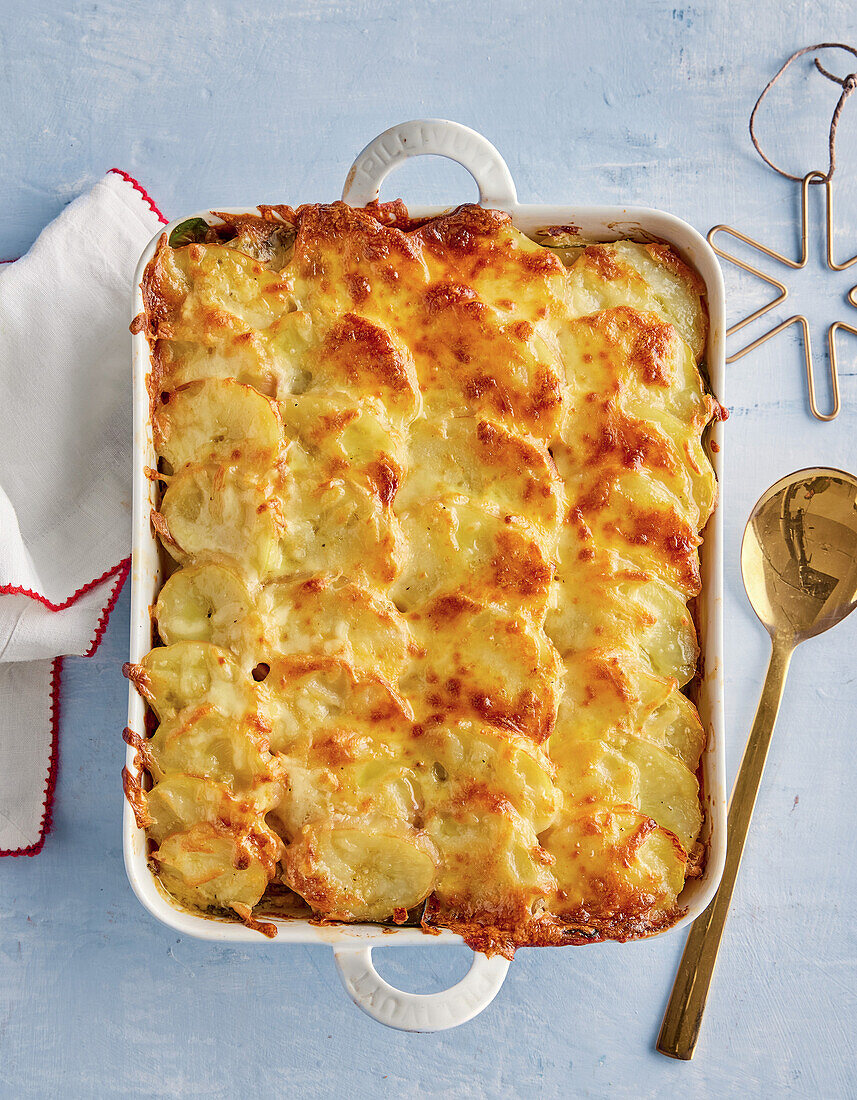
(419, 1011)
(441, 138)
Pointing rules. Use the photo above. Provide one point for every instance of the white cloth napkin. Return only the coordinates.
(65, 473)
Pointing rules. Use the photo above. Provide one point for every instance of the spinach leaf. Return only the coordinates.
(192, 231)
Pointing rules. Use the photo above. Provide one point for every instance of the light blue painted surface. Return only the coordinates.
(231, 103)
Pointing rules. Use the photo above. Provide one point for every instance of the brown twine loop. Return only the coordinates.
(848, 85)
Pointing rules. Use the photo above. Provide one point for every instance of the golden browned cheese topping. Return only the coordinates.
(433, 492)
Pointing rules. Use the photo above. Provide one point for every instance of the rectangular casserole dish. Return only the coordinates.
(352, 943)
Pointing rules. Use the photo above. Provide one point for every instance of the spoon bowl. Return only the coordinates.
(799, 554)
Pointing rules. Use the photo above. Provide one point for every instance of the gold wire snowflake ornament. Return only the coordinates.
(848, 85)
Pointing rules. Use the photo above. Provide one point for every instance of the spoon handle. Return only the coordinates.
(683, 1016)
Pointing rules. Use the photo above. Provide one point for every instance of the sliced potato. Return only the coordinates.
(608, 691)
(628, 771)
(378, 274)
(505, 268)
(180, 801)
(210, 602)
(217, 509)
(202, 742)
(490, 311)
(492, 867)
(297, 522)
(361, 358)
(478, 362)
(593, 773)
(360, 871)
(217, 419)
(648, 277)
(452, 758)
(634, 515)
(600, 435)
(347, 772)
(246, 358)
(638, 358)
(227, 290)
(616, 872)
(675, 727)
(677, 288)
(209, 866)
(335, 526)
(697, 463)
(309, 695)
(485, 461)
(289, 343)
(174, 676)
(601, 600)
(349, 434)
(669, 792)
(668, 635)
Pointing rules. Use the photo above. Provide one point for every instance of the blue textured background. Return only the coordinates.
(231, 103)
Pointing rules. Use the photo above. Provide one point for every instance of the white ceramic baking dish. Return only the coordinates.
(352, 944)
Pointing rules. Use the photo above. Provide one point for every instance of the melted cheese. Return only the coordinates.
(334, 617)
(480, 661)
(454, 546)
(434, 493)
(619, 872)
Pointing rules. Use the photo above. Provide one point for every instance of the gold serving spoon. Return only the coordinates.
(799, 563)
